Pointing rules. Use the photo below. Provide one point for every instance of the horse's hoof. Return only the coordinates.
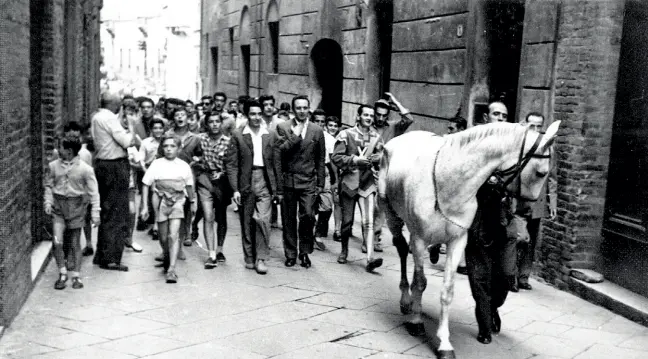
(415, 329)
(446, 354)
(373, 264)
(406, 308)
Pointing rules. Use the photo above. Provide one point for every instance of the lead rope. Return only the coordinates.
(437, 206)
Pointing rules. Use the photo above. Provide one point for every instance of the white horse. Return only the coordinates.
(430, 183)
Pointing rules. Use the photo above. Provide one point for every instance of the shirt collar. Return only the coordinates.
(262, 131)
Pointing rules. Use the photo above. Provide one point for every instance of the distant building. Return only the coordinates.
(151, 47)
(582, 62)
(49, 76)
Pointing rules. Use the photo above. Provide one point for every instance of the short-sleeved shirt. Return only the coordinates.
(171, 177)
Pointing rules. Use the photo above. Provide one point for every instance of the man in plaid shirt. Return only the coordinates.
(214, 191)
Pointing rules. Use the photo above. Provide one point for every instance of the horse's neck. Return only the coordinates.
(466, 169)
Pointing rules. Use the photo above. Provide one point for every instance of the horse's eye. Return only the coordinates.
(541, 174)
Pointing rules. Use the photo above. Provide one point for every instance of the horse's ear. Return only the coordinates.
(550, 135)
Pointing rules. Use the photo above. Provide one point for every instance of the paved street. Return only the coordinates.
(327, 311)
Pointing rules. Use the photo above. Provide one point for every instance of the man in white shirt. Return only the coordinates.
(325, 199)
(251, 174)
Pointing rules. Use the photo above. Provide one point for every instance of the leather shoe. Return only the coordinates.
(513, 285)
(290, 262)
(305, 261)
(497, 322)
(484, 338)
(261, 268)
(525, 286)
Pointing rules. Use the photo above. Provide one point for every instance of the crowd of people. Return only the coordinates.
(170, 165)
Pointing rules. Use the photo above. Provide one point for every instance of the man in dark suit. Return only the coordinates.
(299, 156)
(250, 169)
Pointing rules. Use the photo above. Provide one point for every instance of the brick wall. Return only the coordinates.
(589, 34)
(32, 79)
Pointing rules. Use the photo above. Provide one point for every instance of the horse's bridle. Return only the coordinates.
(505, 177)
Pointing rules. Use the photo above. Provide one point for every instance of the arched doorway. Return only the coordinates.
(327, 60)
(244, 41)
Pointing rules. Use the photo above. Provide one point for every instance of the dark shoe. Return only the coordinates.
(87, 251)
(114, 266)
(160, 258)
(261, 268)
(60, 283)
(304, 260)
(211, 263)
(155, 235)
(513, 285)
(434, 253)
(171, 277)
(187, 242)
(290, 262)
(344, 253)
(158, 265)
(373, 264)
(497, 322)
(220, 257)
(378, 247)
(525, 286)
(462, 270)
(484, 338)
(319, 245)
(337, 237)
(194, 234)
(76, 283)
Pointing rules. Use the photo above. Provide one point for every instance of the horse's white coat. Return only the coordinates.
(463, 165)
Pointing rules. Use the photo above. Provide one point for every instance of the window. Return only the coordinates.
(273, 28)
(231, 43)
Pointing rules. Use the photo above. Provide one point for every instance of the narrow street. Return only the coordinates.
(327, 311)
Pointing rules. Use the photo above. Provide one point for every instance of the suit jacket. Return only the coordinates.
(240, 157)
(301, 161)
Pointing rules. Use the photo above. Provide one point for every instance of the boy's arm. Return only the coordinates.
(93, 190)
(49, 184)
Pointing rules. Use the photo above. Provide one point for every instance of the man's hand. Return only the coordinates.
(375, 158)
(48, 209)
(391, 96)
(144, 213)
(237, 198)
(361, 162)
(96, 221)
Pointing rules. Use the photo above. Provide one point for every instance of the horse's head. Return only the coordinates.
(529, 174)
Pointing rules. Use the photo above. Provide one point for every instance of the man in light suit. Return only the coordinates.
(251, 173)
(299, 156)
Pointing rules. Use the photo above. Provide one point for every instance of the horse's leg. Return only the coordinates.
(419, 283)
(395, 225)
(455, 250)
(367, 211)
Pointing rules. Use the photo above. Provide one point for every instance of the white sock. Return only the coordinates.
(63, 271)
(212, 254)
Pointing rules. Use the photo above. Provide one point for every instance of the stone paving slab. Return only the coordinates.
(327, 311)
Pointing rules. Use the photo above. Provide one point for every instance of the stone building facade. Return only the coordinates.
(578, 61)
(49, 74)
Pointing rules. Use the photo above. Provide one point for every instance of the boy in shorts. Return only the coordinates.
(68, 185)
(172, 182)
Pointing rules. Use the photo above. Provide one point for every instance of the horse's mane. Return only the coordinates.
(503, 134)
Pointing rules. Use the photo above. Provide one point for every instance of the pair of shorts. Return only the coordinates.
(325, 201)
(71, 210)
(168, 210)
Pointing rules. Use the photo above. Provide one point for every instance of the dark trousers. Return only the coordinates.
(67, 253)
(304, 200)
(347, 205)
(526, 251)
(322, 226)
(255, 213)
(112, 180)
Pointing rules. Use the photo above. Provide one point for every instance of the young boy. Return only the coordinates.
(130, 113)
(148, 152)
(172, 182)
(333, 128)
(68, 185)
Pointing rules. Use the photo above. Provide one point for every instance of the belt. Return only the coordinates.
(112, 159)
(254, 168)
